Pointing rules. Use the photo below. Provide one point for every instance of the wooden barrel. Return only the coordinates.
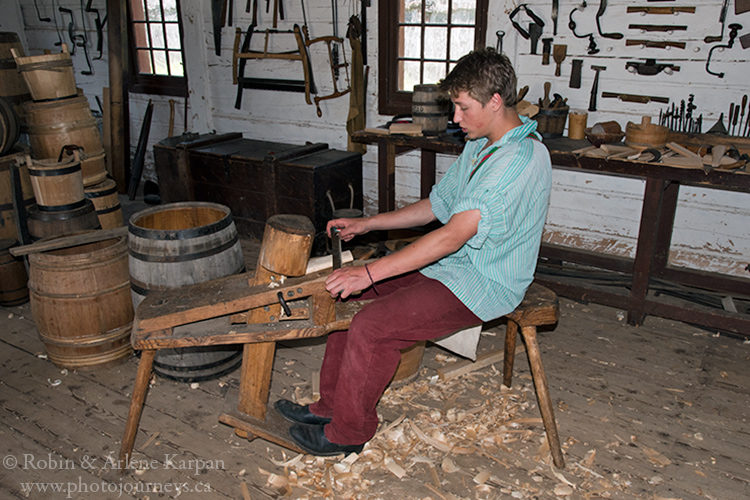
(7, 213)
(47, 140)
(93, 168)
(12, 85)
(46, 224)
(48, 76)
(179, 244)
(80, 302)
(58, 185)
(13, 277)
(430, 108)
(107, 203)
(10, 126)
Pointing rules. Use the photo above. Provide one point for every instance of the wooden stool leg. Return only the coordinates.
(136, 404)
(255, 378)
(542, 394)
(510, 352)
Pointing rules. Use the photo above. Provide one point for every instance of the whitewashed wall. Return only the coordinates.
(590, 211)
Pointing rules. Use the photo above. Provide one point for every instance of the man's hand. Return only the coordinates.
(348, 228)
(347, 281)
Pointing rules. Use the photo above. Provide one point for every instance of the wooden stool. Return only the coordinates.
(539, 307)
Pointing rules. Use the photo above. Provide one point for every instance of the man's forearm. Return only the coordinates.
(414, 215)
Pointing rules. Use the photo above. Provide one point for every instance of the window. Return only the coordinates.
(420, 41)
(156, 48)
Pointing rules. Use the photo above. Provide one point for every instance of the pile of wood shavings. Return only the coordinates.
(469, 437)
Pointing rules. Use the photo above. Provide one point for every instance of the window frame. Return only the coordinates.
(145, 83)
(392, 101)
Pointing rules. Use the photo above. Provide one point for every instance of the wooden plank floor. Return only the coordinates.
(658, 411)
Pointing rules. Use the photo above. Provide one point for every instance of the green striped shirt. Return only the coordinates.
(491, 272)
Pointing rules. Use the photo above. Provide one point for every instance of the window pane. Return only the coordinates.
(435, 43)
(157, 36)
(408, 75)
(412, 42)
(175, 64)
(410, 11)
(160, 62)
(173, 36)
(170, 10)
(436, 12)
(137, 10)
(144, 61)
(464, 12)
(433, 72)
(154, 10)
(462, 42)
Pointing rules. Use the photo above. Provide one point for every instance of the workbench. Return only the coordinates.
(662, 184)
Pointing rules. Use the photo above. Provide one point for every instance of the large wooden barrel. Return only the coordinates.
(12, 85)
(48, 76)
(13, 277)
(47, 224)
(430, 108)
(10, 126)
(58, 185)
(179, 244)
(107, 203)
(80, 302)
(47, 140)
(7, 213)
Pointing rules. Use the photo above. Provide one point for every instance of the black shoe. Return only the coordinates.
(299, 414)
(313, 440)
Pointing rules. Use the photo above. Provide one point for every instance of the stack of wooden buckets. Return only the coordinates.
(79, 293)
(67, 161)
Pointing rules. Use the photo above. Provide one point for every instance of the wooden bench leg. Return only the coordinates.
(542, 394)
(510, 352)
(255, 378)
(140, 389)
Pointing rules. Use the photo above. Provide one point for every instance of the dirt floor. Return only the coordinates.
(654, 412)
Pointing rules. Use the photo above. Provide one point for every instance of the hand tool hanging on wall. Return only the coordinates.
(642, 99)
(71, 27)
(595, 86)
(536, 19)
(664, 28)
(722, 21)
(218, 15)
(599, 14)
(499, 44)
(546, 49)
(559, 52)
(535, 31)
(99, 24)
(733, 29)
(555, 9)
(742, 111)
(592, 48)
(656, 44)
(660, 10)
(650, 67)
(83, 42)
(335, 48)
(363, 4)
(575, 74)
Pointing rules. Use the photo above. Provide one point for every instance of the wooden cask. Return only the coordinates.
(106, 202)
(58, 185)
(13, 277)
(8, 229)
(80, 301)
(48, 76)
(179, 244)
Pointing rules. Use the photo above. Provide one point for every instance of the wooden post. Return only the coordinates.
(119, 127)
(284, 251)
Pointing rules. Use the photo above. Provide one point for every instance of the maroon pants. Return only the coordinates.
(359, 363)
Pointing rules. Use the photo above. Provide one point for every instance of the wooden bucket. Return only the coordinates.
(12, 85)
(408, 367)
(48, 139)
(93, 168)
(46, 224)
(430, 108)
(551, 121)
(80, 302)
(10, 126)
(107, 203)
(179, 244)
(13, 277)
(7, 212)
(58, 185)
(70, 109)
(48, 76)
